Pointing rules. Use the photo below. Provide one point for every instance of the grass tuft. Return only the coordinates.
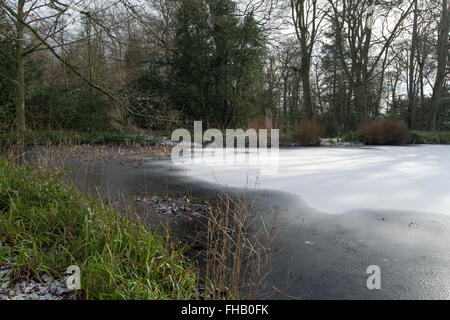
(46, 226)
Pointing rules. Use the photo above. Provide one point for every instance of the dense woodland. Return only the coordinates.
(160, 64)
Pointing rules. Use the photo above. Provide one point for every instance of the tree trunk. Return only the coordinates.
(411, 85)
(361, 102)
(305, 15)
(285, 97)
(442, 48)
(305, 73)
(422, 98)
(348, 107)
(20, 80)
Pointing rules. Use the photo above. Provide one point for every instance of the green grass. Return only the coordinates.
(46, 226)
(55, 137)
(430, 137)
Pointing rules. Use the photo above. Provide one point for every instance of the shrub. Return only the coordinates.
(309, 133)
(430, 137)
(352, 136)
(385, 133)
(30, 138)
(71, 110)
(259, 123)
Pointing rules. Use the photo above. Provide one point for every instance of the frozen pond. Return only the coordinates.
(336, 179)
(329, 252)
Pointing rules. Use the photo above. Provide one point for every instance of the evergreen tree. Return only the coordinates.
(218, 64)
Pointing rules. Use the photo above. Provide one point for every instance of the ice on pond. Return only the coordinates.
(341, 179)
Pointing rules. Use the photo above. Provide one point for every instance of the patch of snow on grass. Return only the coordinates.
(49, 289)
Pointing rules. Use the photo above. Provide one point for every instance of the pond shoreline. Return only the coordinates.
(329, 253)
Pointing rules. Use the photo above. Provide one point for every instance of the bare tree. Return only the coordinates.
(356, 40)
(412, 68)
(20, 79)
(442, 56)
(42, 20)
(307, 18)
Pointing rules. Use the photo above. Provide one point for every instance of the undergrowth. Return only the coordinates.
(46, 226)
